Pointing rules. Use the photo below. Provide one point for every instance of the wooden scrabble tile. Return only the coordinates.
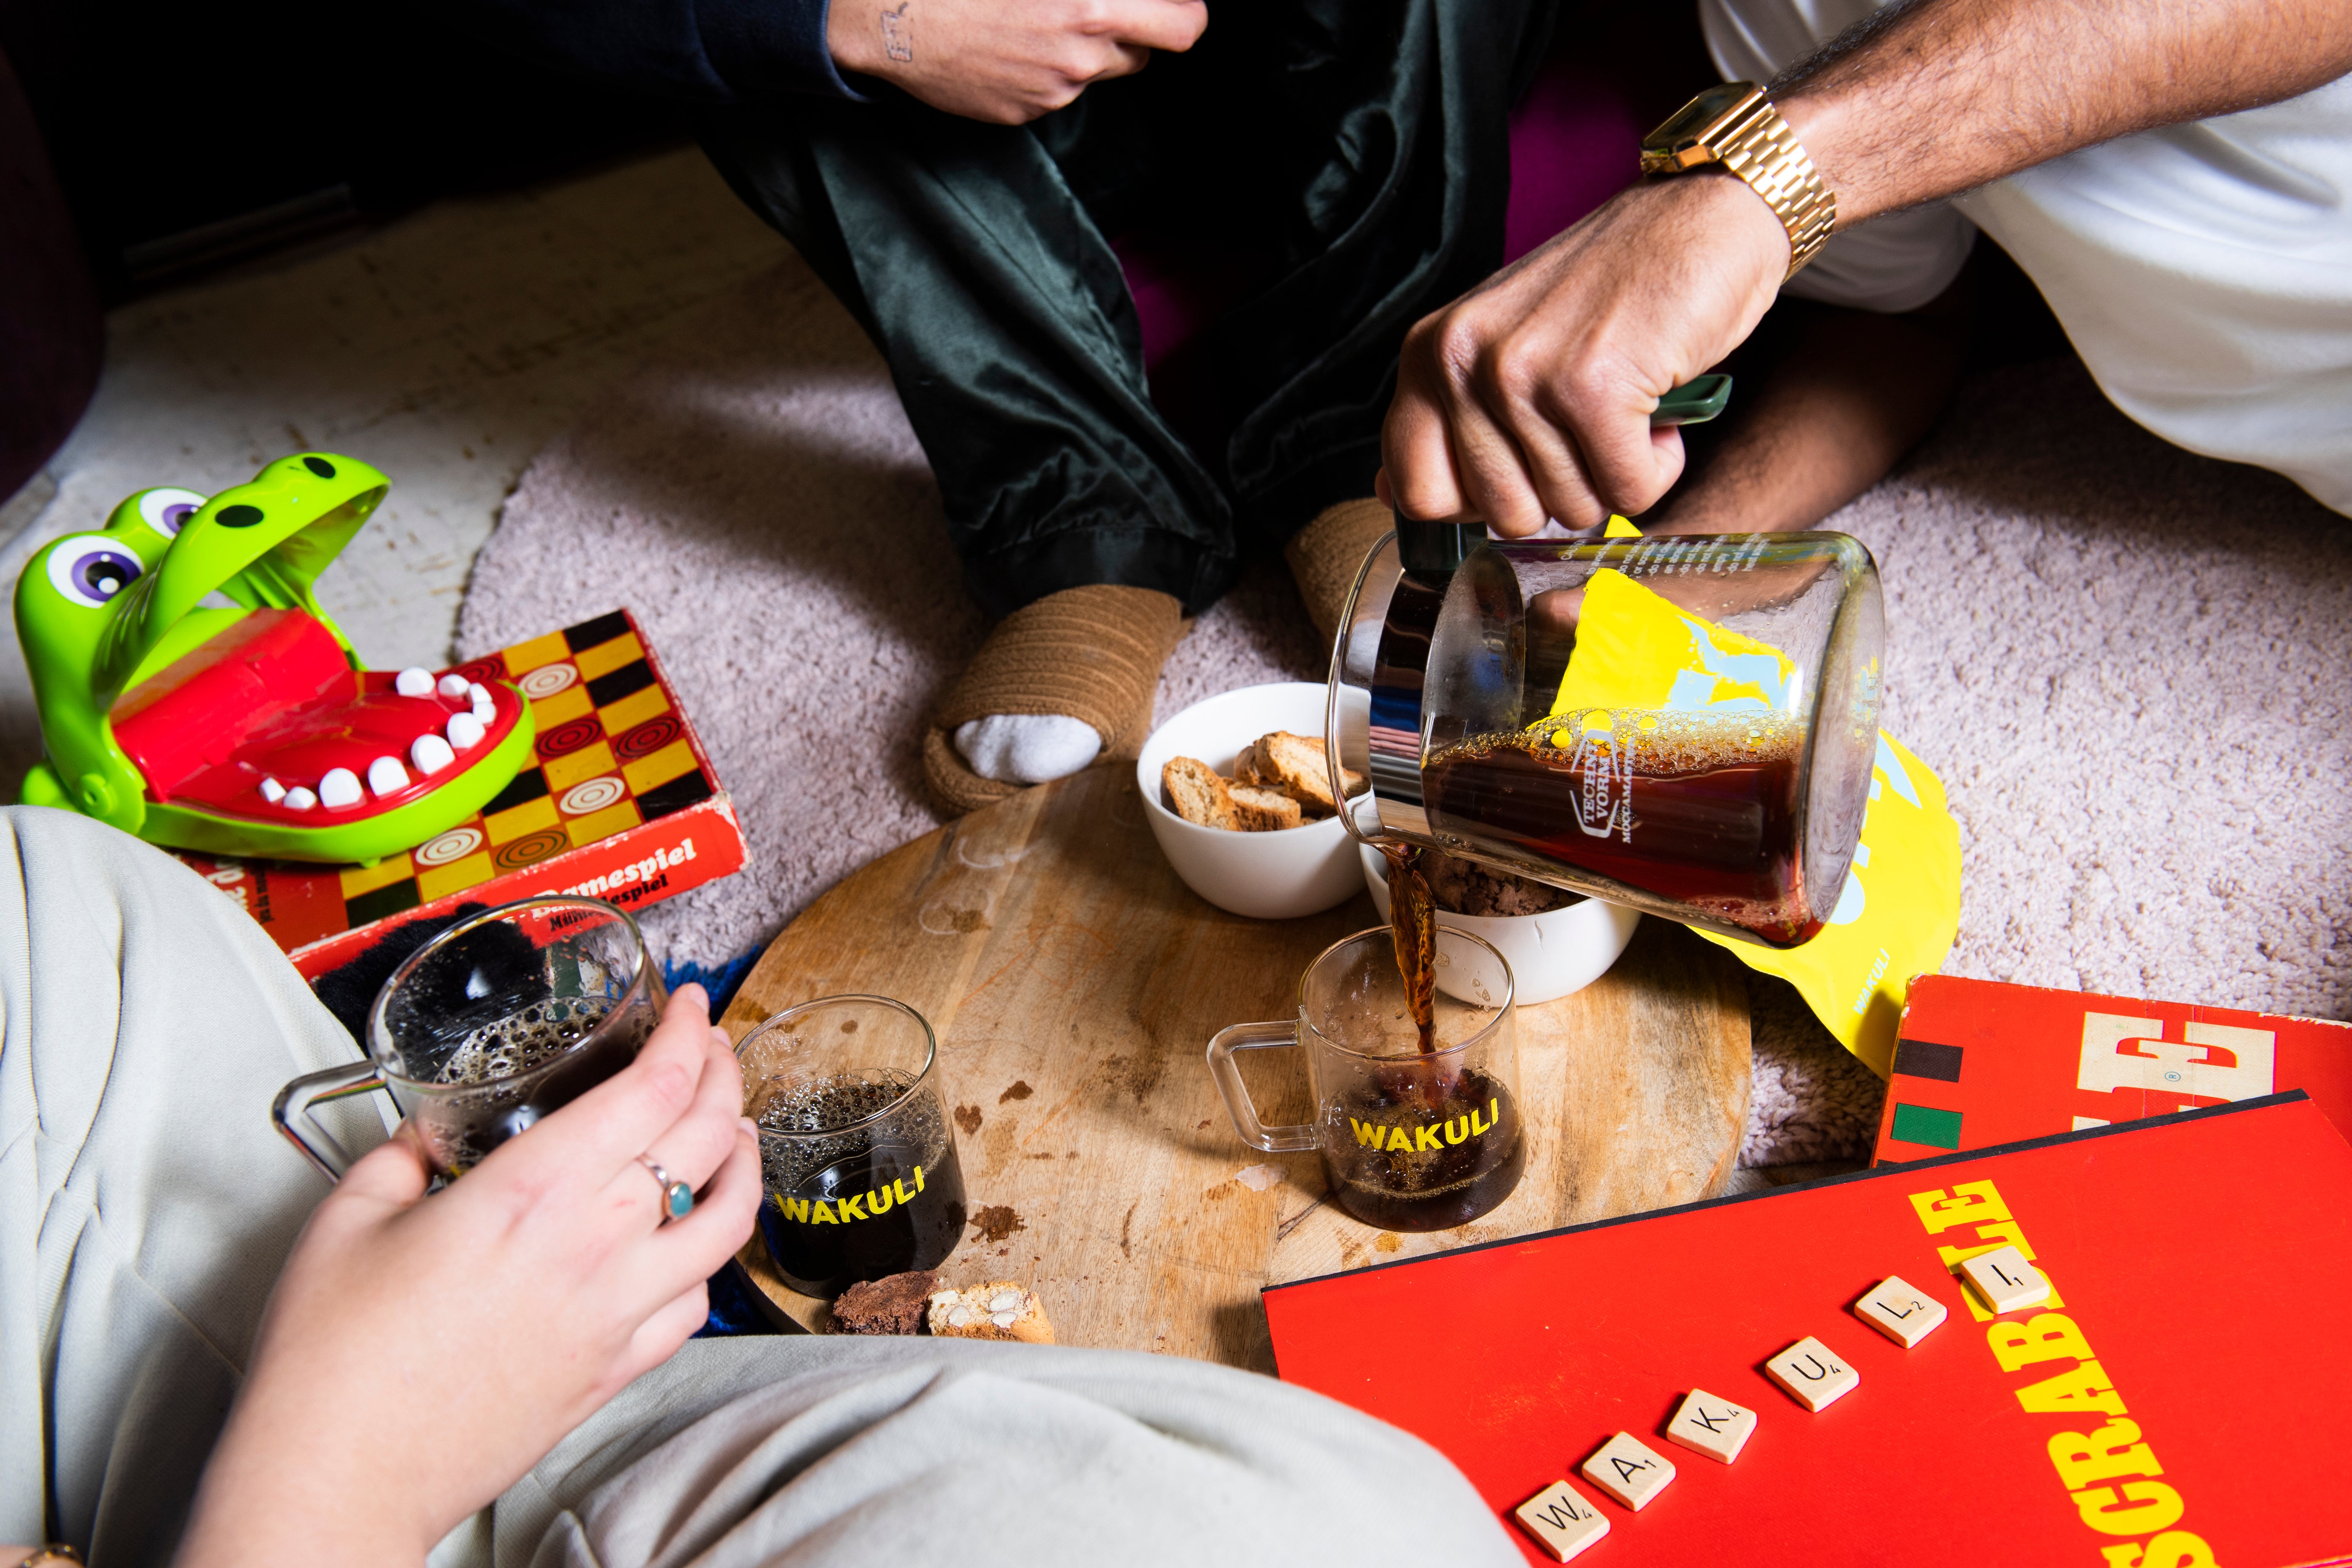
(2008, 1282)
(1562, 1523)
(1902, 1314)
(1629, 1470)
(1716, 1427)
(1812, 1376)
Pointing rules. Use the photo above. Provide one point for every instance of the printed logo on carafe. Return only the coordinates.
(1603, 764)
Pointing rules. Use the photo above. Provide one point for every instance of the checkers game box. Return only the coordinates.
(620, 802)
(1978, 1062)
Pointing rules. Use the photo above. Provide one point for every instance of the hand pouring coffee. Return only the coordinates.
(1682, 725)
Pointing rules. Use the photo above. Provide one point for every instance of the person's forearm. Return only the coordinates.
(1933, 98)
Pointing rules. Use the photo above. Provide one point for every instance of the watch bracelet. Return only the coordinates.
(1763, 151)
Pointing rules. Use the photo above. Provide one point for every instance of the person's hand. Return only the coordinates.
(1529, 397)
(1005, 61)
(421, 1353)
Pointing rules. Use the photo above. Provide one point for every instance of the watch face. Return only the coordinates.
(1695, 117)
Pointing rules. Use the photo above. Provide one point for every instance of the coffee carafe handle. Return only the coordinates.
(1431, 550)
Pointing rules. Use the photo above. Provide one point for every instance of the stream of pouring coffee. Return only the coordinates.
(1413, 922)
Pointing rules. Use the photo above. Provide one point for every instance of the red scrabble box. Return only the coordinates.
(1977, 1062)
(620, 802)
(2170, 1405)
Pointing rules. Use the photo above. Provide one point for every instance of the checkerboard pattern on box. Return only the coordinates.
(620, 802)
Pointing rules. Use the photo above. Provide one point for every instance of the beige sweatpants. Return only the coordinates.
(146, 1206)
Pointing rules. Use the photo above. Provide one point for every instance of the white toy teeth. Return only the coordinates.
(485, 708)
(300, 799)
(340, 788)
(272, 791)
(429, 754)
(466, 731)
(386, 776)
(453, 686)
(413, 682)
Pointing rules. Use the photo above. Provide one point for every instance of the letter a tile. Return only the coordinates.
(1716, 1427)
(1562, 1523)
(1629, 1470)
(2007, 1282)
(1902, 1314)
(1810, 1375)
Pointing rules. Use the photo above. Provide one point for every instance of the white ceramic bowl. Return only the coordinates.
(1276, 876)
(1551, 954)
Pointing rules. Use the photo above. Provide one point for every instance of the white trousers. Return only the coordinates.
(146, 1206)
(2203, 270)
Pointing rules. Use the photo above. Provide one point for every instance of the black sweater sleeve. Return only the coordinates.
(710, 50)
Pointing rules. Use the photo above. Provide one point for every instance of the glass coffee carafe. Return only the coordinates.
(1684, 724)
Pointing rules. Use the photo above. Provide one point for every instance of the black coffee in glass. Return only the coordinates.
(858, 1157)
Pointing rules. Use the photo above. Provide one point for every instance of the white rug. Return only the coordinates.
(2127, 663)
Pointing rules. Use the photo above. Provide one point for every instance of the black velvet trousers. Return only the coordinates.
(1352, 154)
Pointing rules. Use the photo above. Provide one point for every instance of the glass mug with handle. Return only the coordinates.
(493, 1023)
(858, 1157)
(1409, 1140)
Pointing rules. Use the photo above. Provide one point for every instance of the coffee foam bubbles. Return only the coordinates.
(1664, 742)
(522, 1041)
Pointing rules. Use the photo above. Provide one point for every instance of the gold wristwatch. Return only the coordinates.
(1735, 125)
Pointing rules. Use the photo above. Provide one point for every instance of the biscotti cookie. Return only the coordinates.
(997, 1311)
(1263, 810)
(1197, 795)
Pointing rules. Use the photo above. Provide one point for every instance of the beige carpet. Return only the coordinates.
(2128, 664)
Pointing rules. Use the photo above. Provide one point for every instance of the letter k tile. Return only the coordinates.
(1712, 1425)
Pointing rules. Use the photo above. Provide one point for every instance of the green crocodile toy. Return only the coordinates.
(193, 692)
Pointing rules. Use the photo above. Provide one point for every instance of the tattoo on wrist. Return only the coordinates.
(897, 33)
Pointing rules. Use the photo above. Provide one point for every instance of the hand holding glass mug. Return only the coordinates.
(453, 1340)
(492, 1024)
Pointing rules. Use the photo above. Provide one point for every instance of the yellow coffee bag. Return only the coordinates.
(1900, 909)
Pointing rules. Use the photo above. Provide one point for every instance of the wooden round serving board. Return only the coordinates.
(1075, 983)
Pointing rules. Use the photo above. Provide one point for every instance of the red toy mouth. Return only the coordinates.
(266, 721)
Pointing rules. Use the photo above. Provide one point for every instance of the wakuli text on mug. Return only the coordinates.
(1410, 1140)
(857, 1159)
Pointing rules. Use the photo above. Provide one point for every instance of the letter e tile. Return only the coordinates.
(1902, 1314)
(1713, 1426)
(1810, 1375)
(1629, 1470)
(1562, 1523)
(2007, 1282)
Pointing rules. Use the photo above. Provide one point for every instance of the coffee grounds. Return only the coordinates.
(1466, 888)
(895, 1304)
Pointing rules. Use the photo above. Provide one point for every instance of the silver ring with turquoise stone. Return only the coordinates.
(677, 1197)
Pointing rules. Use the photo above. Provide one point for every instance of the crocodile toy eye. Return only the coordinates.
(90, 569)
(165, 509)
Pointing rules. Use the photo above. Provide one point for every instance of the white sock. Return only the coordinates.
(1027, 748)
